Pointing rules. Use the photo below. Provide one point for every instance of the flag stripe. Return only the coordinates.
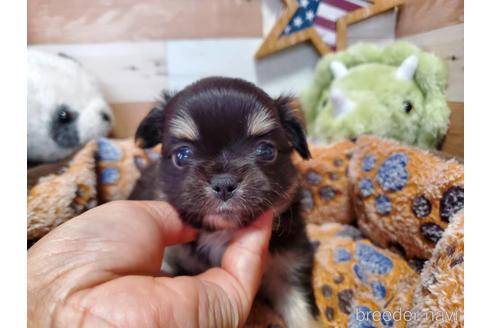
(361, 3)
(326, 23)
(329, 36)
(342, 4)
(329, 12)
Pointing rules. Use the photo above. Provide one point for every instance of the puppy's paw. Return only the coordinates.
(296, 311)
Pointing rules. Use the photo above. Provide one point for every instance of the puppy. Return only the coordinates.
(226, 149)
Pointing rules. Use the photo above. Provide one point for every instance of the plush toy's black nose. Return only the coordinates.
(224, 185)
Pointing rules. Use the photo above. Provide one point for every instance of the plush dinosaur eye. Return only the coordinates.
(266, 151)
(407, 106)
(182, 156)
(324, 102)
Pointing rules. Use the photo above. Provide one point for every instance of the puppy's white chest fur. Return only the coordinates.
(207, 252)
(214, 244)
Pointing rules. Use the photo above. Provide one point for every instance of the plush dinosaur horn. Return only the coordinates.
(338, 69)
(407, 68)
(341, 104)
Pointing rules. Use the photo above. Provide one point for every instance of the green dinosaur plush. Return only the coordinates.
(396, 92)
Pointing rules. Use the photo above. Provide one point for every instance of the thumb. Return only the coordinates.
(243, 265)
(246, 255)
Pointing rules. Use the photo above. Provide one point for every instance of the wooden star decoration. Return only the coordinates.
(322, 22)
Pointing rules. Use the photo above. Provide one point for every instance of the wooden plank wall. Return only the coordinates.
(419, 16)
(438, 26)
(87, 21)
(138, 48)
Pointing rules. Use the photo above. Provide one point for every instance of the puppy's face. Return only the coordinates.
(226, 152)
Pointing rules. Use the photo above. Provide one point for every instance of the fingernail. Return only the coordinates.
(258, 232)
(263, 219)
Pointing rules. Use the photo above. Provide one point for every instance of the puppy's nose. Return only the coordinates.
(224, 185)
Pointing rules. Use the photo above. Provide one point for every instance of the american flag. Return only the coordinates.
(322, 15)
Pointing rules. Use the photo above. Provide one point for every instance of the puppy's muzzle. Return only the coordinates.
(224, 185)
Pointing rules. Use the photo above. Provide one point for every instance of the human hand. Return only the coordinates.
(102, 268)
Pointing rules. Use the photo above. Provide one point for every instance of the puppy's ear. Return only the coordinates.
(149, 132)
(292, 125)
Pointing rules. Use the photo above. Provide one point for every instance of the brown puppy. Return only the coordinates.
(226, 148)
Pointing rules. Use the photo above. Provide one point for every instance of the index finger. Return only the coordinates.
(122, 236)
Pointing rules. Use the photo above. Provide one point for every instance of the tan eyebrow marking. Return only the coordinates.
(260, 122)
(182, 126)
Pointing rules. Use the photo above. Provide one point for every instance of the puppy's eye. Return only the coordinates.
(64, 115)
(266, 151)
(182, 156)
(407, 106)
